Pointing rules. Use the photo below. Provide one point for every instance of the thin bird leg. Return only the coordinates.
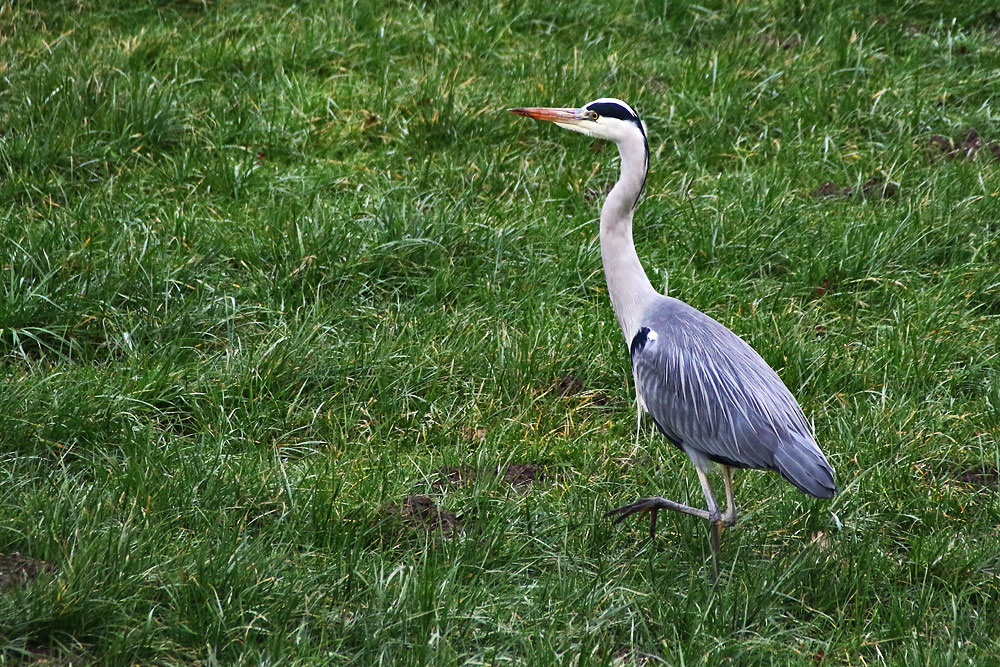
(640, 407)
(638, 420)
(653, 505)
(713, 509)
(729, 516)
(713, 516)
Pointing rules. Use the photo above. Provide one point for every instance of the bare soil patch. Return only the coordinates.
(873, 188)
(966, 146)
(522, 474)
(518, 475)
(980, 477)
(876, 188)
(831, 189)
(422, 512)
(16, 569)
(571, 385)
(462, 475)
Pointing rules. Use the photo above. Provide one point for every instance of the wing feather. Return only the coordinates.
(708, 390)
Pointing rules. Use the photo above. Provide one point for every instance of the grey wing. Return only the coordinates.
(710, 392)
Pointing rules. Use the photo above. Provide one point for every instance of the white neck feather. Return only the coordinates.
(628, 285)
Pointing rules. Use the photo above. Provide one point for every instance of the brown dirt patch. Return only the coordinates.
(831, 189)
(873, 188)
(422, 512)
(571, 385)
(980, 477)
(16, 569)
(522, 474)
(965, 147)
(517, 475)
(463, 475)
(876, 188)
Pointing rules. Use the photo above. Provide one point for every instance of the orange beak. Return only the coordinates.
(549, 113)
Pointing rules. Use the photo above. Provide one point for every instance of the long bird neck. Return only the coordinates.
(628, 285)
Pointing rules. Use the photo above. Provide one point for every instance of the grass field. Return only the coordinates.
(306, 355)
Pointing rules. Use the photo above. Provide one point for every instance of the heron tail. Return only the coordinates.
(802, 464)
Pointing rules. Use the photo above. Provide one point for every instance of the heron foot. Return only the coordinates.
(653, 505)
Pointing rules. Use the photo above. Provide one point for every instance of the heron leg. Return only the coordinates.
(714, 518)
(640, 407)
(653, 506)
(713, 509)
(638, 420)
(729, 516)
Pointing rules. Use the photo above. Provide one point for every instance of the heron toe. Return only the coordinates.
(653, 505)
(625, 511)
(638, 507)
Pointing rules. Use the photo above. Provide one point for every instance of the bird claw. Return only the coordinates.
(644, 505)
(653, 506)
(638, 507)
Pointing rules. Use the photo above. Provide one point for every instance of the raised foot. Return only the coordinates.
(653, 506)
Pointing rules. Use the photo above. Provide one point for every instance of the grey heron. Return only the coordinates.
(706, 389)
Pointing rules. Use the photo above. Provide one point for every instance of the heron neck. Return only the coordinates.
(628, 285)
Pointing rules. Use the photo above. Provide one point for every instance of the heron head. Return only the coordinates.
(604, 118)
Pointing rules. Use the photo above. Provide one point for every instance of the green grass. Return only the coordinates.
(266, 270)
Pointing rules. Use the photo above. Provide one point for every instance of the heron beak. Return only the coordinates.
(562, 116)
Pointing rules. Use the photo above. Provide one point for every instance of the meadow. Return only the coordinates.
(306, 355)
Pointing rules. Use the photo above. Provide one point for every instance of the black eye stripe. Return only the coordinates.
(612, 110)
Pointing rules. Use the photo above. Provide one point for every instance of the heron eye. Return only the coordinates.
(592, 115)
